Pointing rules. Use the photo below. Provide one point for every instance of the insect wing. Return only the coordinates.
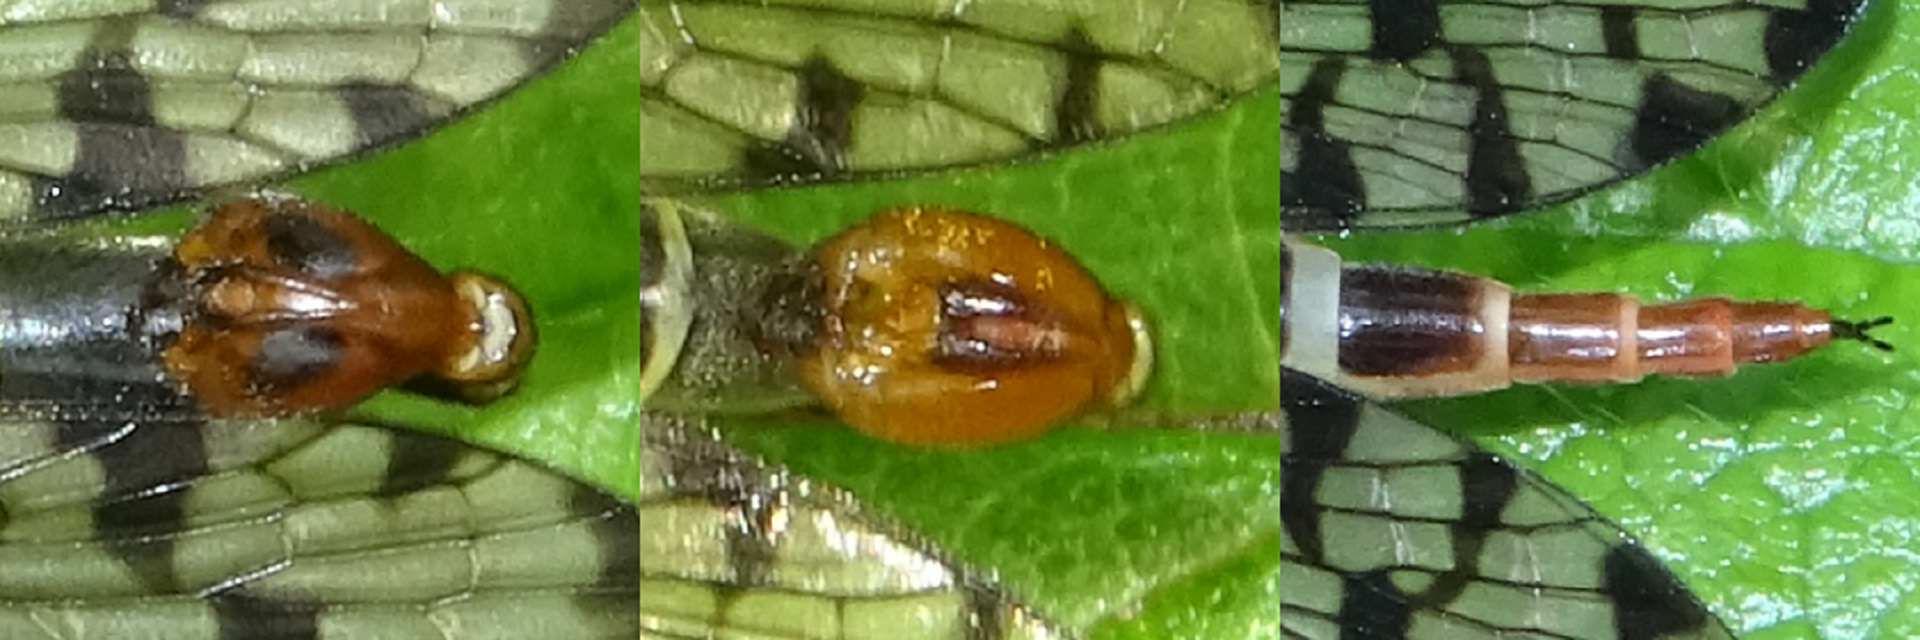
(300, 529)
(1394, 530)
(740, 96)
(1450, 112)
(733, 546)
(111, 109)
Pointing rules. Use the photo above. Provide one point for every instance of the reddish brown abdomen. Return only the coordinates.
(1400, 332)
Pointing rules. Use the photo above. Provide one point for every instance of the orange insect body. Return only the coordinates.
(1603, 337)
(948, 328)
(297, 308)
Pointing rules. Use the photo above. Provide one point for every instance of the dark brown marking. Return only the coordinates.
(986, 326)
(1401, 322)
(384, 114)
(124, 160)
(1797, 39)
(1328, 419)
(149, 473)
(1370, 600)
(1325, 190)
(1648, 602)
(1497, 180)
(790, 319)
(617, 530)
(118, 168)
(1673, 120)
(1403, 29)
(294, 357)
(419, 462)
(241, 616)
(1620, 30)
(823, 127)
(1077, 107)
(985, 612)
(1286, 280)
(302, 244)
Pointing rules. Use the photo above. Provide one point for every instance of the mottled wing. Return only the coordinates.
(736, 548)
(123, 106)
(741, 95)
(1456, 110)
(1396, 531)
(288, 529)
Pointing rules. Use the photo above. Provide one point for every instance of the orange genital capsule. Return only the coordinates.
(949, 328)
(291, 307)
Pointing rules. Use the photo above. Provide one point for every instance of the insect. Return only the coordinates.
(713, 54)
(1427, 610)
(172, 526)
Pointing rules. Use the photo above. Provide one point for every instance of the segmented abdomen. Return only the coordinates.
(1396, 332)
(718, 332)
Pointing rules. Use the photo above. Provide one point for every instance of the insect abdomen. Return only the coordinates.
(1396, 332)
(270, 307)
(724, 311)
(71, 323)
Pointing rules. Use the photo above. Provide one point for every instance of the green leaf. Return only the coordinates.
(1782, 495)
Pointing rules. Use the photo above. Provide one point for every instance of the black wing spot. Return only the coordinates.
(1369, 600)
(1497, 180)
(303, 244)
(384, 114)
(149, 471)
(1674, 120)
(1648, 601)
(293, 357)
(616, 527)
(109, 93)
(1797, 39)
(1075, 112)
(418, 462)
(1326, 181)
(823, 126)
(1403, 29)
(118, 168)
(241, 616)
(1620, 30)
(1310, 452)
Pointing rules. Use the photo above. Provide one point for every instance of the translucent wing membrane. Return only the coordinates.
(1396, 531)
(104, 108)
(1451, 111)
(735, 548)
(295, 529)
(747, 94)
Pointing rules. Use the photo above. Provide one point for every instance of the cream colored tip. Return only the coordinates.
(1142, 368)
(504, 336)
